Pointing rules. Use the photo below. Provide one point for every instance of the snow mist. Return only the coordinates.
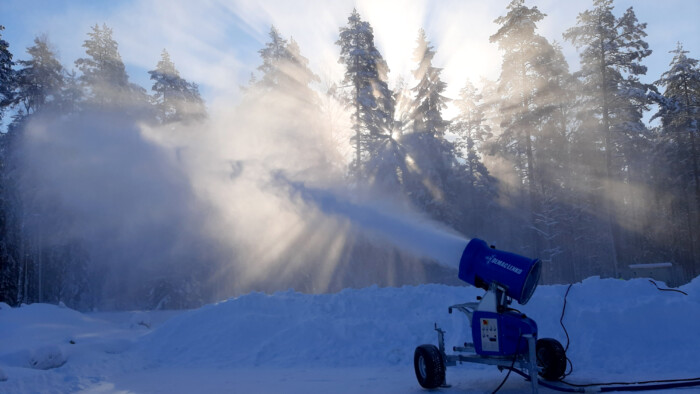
(254, 198)
(382, 219)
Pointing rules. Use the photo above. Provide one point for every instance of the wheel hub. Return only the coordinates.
(421, 367)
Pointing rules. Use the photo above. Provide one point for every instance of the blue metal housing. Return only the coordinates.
(482, 266)
(510, 331)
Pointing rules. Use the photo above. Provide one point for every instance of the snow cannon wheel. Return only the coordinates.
(429, 366)
(551, 358)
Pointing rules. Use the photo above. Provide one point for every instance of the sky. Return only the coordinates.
(215, 43)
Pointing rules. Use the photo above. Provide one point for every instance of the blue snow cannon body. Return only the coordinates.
(484, 266)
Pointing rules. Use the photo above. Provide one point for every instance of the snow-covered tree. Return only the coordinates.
(285, 70)
(613, 100)
(429, 101)
(7, 76)
(103, 69)
(277, 59)
(517, 85)
(680, 111)
(431, 156)
(176, 99)
(372, 101)
(285, 83)
(41, 80)
(678, 155)
(527, 96)
(477, 189)
(8, 263)
(104, 78)
(471, 133)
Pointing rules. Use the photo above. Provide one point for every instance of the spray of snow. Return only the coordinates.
(205, 204)
(382, 219)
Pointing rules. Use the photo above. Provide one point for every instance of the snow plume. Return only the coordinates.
(266, 168)
(112, 209)
(178, 215)
(382, 220)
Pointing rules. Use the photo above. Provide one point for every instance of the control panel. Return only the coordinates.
(489, 335)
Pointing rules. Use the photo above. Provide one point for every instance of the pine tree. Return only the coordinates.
(284, 87)
(41, 80)
(8, 264)
(516, 86)
(373, 104)
(478, 189)
(528, 90)
(277, 59)
(104, 79)
(176, 99)
(471, 133)
(431, 155)
(286, 78)
(429, 101)
(614, 98)
(104, 64)
(285, 70)
(7, 75)
(678, 150)
(681, 109)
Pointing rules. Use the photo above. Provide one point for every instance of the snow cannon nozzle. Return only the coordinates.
(483, 266)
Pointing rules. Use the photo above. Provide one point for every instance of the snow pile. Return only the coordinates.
(47, 357)
(38, 336)
(616, 328)
(358, 340)
(624, 329)
(372, 326)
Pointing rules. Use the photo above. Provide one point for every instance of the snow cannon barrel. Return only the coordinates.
(483, 266)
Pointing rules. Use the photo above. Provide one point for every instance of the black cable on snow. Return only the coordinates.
(561, 318)
(616, 386)
(676, 290)
(561, 322)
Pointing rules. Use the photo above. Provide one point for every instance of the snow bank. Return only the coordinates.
(372, 326)
(619, 330)
(39, 335)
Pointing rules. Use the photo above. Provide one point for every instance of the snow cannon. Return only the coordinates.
(484, 266)
(500, 335)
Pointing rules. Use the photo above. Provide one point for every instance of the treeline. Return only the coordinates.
(542, 161)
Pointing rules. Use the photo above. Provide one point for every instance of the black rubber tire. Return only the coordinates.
(551, 358)
(429, 366)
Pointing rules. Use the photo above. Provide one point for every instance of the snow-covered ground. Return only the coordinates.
(358, 340)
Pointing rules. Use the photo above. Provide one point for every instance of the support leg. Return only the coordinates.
(531, 345)
(443, 355)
